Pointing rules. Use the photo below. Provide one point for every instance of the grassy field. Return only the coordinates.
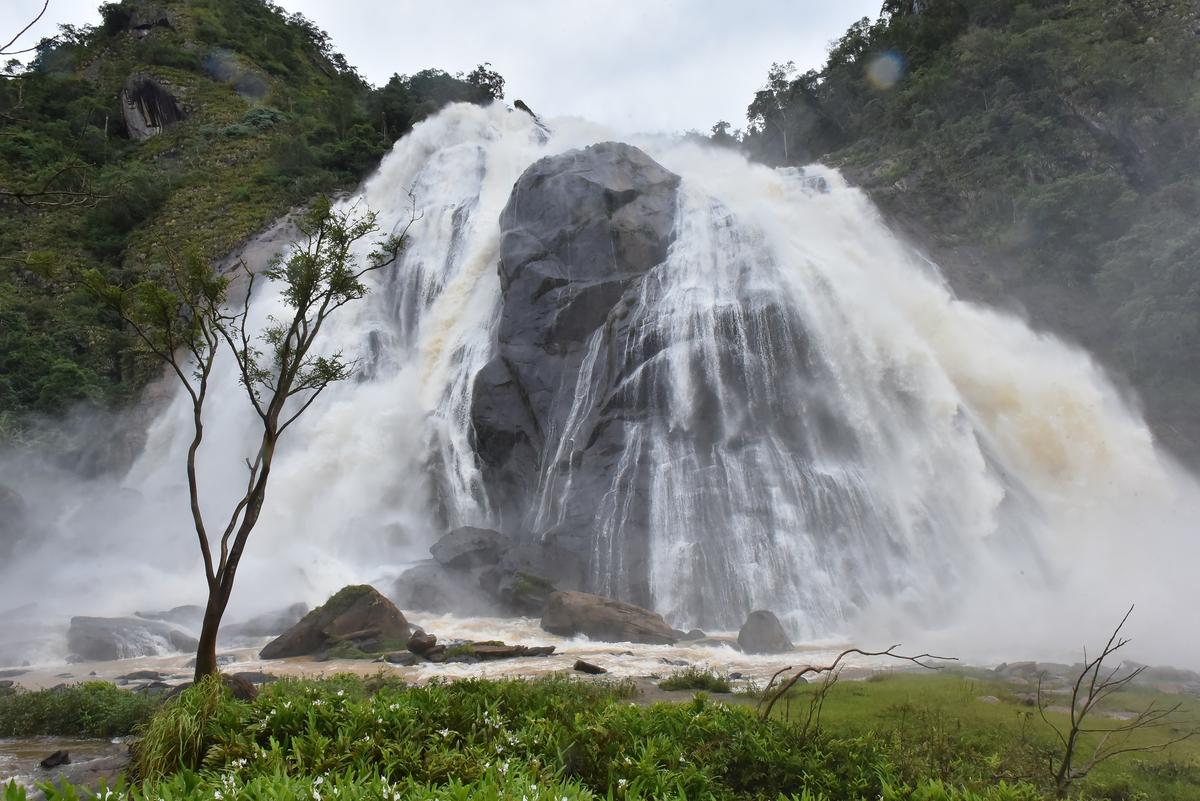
(897, 737)
(969, 731)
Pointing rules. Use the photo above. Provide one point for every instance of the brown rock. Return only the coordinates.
(356, 614)
(600, 618)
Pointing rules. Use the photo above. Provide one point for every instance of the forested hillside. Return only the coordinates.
(171, 127)
(1046, 153)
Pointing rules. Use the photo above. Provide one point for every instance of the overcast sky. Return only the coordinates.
(636, 65)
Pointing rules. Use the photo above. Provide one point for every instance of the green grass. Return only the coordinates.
(92, 709)
(896, 738)
(935, 727)
(696, 678)
(550, 738)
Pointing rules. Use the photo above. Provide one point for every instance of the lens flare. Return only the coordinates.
(885, 70)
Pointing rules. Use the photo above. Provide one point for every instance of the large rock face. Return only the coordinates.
(358, 616)
(574, 613)
(580, 232)
(105, 638)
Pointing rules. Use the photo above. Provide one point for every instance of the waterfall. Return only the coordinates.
(834, 435)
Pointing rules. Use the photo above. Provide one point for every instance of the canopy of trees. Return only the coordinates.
(1047, 152)
(272, 116)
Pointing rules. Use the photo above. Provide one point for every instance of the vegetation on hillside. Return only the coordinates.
(1046, 151)
(271, 116)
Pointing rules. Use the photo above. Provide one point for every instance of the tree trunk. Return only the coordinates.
(206, 651)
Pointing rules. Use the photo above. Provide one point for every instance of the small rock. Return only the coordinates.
(420, 642)
(588, 667)
(988, 699)
(676, 662)
(142, 675)
(735, 676)
(56, 759)
(694, 634)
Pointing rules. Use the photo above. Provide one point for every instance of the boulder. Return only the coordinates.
(517, 592)
(357, 616)
(580, 232)
(420, 642)
(468, 546)
(431, 586)
(762, 633)
(268, 624)
(102, 639)
(588, 667)
(573, 613)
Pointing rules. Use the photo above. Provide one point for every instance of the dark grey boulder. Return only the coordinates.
(580, 232)
(573, 613)
(432, 587)
(356, 616)
(101, 639)
(468, 546)
(762, 633)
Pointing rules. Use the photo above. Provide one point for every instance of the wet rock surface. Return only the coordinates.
(101, 639)
(573, 613)
(579, 233)
(762, 633)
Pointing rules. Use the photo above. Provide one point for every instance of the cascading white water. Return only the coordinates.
(845, 442)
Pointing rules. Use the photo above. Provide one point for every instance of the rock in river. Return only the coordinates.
(600, 618)
(357, 616)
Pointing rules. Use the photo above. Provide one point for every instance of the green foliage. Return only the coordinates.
(92, 709)
(695, 678)
(181, 734)
(1055, 142)
(274, 116)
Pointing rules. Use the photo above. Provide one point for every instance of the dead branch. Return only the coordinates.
(4, 51)
(1091, 687)
(830, 673)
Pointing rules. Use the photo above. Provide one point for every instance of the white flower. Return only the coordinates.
(216, 794)
(317, 782)
(622, 782)
(341, 693)
(444, 732)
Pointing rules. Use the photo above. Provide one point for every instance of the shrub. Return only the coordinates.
(695, 678)
(92, 709)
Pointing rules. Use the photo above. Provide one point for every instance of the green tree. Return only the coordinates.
(186, 322)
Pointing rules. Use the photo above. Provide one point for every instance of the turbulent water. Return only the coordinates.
(845, 442)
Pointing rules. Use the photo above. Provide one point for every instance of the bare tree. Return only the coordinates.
(7, 50)
(829, 675)
(184, 320)
(1092, 686)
